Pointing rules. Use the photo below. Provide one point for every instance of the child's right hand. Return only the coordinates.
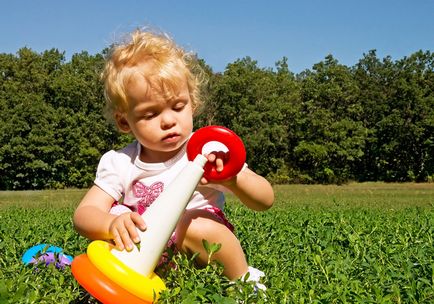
(123, 230)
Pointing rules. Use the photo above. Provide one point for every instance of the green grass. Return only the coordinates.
(357, 243)
(366, 195)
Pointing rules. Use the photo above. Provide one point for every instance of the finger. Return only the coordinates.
(219, 165)
(203, 181)
(118, 241)
(125, 237)
(211, 157)
(132, 231)
(138, 221)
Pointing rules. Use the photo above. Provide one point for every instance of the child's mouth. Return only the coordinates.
(173, 137)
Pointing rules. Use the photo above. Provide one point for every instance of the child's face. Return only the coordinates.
(160, 124)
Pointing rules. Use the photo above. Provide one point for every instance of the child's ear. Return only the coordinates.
(122, 122)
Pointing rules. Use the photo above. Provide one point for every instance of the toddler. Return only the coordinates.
(153, 94)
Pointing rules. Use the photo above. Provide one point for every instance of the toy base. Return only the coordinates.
(98, 285)
(146, 287)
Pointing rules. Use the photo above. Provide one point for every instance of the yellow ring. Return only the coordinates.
(137, 284)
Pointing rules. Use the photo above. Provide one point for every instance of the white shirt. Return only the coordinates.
(136, 184)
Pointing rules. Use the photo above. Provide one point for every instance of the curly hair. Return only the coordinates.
(158, 59)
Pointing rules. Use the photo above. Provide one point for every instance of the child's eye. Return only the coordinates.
(179, 106)
(149, 115)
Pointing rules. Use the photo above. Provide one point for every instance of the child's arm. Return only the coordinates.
(252, 189)
(93, 220)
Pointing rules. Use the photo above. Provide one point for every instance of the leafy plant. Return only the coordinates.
(370, 243)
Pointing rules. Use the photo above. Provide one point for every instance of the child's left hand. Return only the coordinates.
(219, 158)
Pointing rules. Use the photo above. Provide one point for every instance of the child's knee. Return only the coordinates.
(200, 226)
(197, 225)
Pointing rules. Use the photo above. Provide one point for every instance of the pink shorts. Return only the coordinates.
(118, 209)
(218, 214)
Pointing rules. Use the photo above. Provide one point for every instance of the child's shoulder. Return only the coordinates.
(126, 154)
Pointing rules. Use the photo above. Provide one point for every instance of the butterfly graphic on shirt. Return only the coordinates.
(147, 194)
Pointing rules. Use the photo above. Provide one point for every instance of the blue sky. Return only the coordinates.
(222, 31)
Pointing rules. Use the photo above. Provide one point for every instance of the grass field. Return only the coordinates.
(357, 243)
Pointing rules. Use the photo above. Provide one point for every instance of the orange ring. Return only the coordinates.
(98, 285)
(137, 284)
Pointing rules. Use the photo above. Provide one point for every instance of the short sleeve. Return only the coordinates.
(108, 175)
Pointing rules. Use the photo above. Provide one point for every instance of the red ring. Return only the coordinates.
(237, 152)
(98, 285)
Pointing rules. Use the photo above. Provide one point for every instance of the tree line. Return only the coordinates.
(373, 121)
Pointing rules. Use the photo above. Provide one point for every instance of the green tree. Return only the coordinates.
(54, 131)
(331, 137)
(373, 78)
(28, 145)
(256, 104)
(330, 124)
(406, 133)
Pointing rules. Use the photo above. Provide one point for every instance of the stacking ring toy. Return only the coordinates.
(237, 152)
(98, 285)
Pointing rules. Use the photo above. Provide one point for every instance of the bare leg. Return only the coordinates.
(196, 225)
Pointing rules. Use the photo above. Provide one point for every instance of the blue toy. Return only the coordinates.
(46, 254)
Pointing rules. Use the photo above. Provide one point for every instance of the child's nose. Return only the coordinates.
(168, 120)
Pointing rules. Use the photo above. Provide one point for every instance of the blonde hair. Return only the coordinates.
(153, 55)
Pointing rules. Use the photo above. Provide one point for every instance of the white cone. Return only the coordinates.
(161, 219)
